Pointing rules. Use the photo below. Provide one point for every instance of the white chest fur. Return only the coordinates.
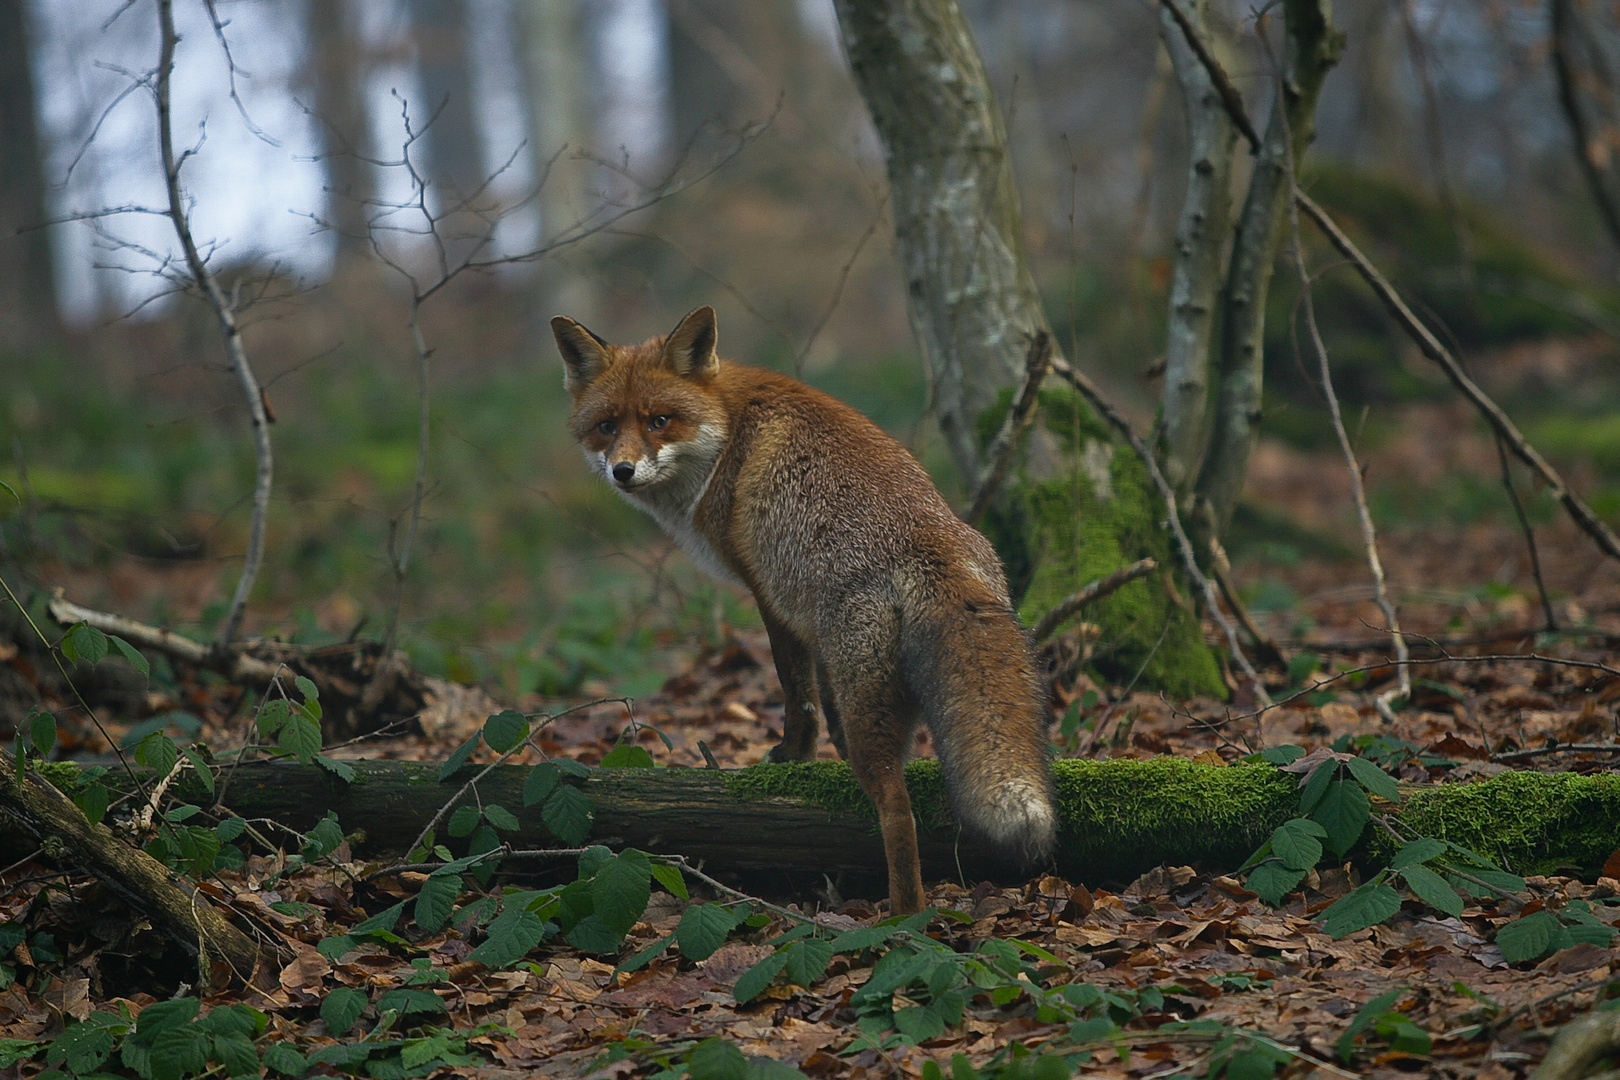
(683, 471)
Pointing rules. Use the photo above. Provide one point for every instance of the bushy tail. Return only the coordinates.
(972, 669)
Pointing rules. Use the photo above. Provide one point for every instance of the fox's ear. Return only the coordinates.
(584, 354)
(689, 349)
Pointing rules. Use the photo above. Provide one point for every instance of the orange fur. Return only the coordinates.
(883, 607)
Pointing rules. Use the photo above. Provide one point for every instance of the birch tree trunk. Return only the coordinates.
(958, 227)
(1077, 507)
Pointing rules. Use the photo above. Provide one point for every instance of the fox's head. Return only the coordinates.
(647, 416)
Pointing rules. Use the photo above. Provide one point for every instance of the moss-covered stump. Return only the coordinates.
(1058, 532)
(796, 822)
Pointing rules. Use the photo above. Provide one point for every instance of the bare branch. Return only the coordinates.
(1563, 19)
(205, 280)
(999, 454)
(1066, 608)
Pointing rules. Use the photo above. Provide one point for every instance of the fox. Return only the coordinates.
(883, 608)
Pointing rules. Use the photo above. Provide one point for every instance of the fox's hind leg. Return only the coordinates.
(795, 666)
(829, 709)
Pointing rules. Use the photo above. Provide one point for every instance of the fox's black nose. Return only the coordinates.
(623, 471)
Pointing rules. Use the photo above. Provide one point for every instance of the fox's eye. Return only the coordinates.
(658, 423)
(607, 427)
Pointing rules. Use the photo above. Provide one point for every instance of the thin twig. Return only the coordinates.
(1358, 492)
(1217, 74)
(1066, 608)
(999, 454)
(224, 313)
(1561, 748)
(1184, 547)
(1529, 537)
(1568, 98)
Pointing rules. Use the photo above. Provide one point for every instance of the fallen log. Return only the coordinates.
(175, 906)
(1118, 818)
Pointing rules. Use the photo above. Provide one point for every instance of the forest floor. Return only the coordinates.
(1494, 689)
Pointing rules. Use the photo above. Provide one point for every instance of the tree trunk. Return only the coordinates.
(1079, 507)
(28, 317)
(1200, 260)
(1313, 48)
(452, 160)
(972, 298)
(336, 68)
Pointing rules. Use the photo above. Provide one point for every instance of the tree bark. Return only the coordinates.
(336, 68)
(1313, 48)
(971, 296)
(28, 317)
(180, 911)
(1200, 253)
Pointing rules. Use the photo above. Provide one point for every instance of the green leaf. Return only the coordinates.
(620, 890)
(342, 1008)
(82, 1047)
(284, 1058)
(301, 737)
(459, 758)
(463, 821)
(1420, 850)
(593, 935)
(627, 756)
(1296, 843)
(1368, 905)
(85, 643)
(42, 733)
(703, 929)
(764, 1068)
(93, 800)
(671, 878)
(386, 919)
(131, 654)
(647, 955)
(307, 688)
(807, 960)
(505, 730)
(158, 753)
(1271, 881)
(1316, 786)
(340, 769)
(1250, 1065)
(1368, 1013)
(539, 783)
(237, 1055)
(1403, 1035)
(511, 935)
(1599, 934)
(1374, 779)
(1344, 812)
(1528, 938)
(199, 765)
(436, 900)
(573, 768)
(410, 1001)
(918, 1023)
(501, 818)
(751, 983)
(716, 1059)
(272, 717)
(568, 813)
(324, 837)
(177, 1051)
(1432, 889)
(1282, 755)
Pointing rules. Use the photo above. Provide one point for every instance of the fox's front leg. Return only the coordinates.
(796, 667)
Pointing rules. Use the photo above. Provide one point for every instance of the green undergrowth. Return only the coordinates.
(1098, 513)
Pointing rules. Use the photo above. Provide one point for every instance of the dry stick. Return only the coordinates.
(999, 454)
(1561, 748)
(1529, 536)
(235, 666)
(1098, 589)
(1184, 547)
(223, 311)
(1358, 491)
(1427, 343)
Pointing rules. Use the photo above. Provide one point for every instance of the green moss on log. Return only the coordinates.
(1533, 823)
(1059, 532)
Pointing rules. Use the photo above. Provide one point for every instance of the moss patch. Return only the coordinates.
(1058, 533)
(1533, 823)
